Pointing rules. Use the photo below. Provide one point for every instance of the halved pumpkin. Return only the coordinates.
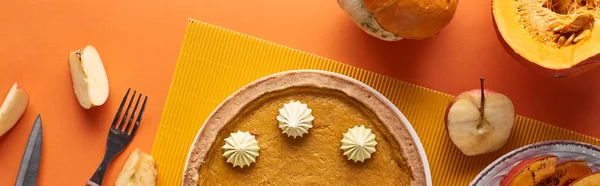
(558, 37)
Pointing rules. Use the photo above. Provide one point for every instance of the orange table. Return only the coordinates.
(139, 43)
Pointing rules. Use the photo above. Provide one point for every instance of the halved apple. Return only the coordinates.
(139, 169)
(13, 108)
(89, 77)
(531, 171)
(589, 180)
(480, 121)
(567, 172)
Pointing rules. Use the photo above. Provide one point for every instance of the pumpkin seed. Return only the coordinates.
(582, 35)
(557, 29)
(570, 39)
(561, 40)
(579, 22)
(554, 26)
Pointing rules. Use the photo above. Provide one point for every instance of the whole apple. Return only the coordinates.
(480, 121)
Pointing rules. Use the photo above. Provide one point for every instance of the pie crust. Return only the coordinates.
(311, 78)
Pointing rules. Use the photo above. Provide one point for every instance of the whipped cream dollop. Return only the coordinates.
(241, 149)
(358, 143)
(295, 119)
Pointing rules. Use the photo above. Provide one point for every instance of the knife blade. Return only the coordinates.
(30, 164)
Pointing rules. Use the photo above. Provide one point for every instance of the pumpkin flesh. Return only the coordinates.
(555, 35)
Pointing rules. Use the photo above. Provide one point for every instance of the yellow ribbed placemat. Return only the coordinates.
(215, 62)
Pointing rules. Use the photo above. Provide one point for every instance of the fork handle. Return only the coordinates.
(96, 179)
(91, 183)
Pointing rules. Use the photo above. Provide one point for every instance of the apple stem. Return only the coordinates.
(482, 97)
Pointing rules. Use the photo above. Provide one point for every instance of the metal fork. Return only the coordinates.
(119, 136)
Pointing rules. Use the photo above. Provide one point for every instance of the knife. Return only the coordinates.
(30, 164)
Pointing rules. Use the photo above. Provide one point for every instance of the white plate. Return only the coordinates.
(564, 150)
(408, 126)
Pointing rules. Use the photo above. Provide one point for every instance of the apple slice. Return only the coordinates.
(479, 121)
(531, 171)
(592, 179)
(13, 108)
(89, 77)
(567, 172)
(139, 169)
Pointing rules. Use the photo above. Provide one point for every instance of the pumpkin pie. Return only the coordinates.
(338, 103)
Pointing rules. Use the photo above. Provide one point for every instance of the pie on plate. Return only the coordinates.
(337, 104)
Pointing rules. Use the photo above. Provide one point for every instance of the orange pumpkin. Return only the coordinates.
(392, 20)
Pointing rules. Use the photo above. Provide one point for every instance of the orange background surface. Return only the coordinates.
(139, 42)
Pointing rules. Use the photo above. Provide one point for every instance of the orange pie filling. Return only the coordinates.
(314, 158)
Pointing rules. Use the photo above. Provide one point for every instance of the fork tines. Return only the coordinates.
(128, 126)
